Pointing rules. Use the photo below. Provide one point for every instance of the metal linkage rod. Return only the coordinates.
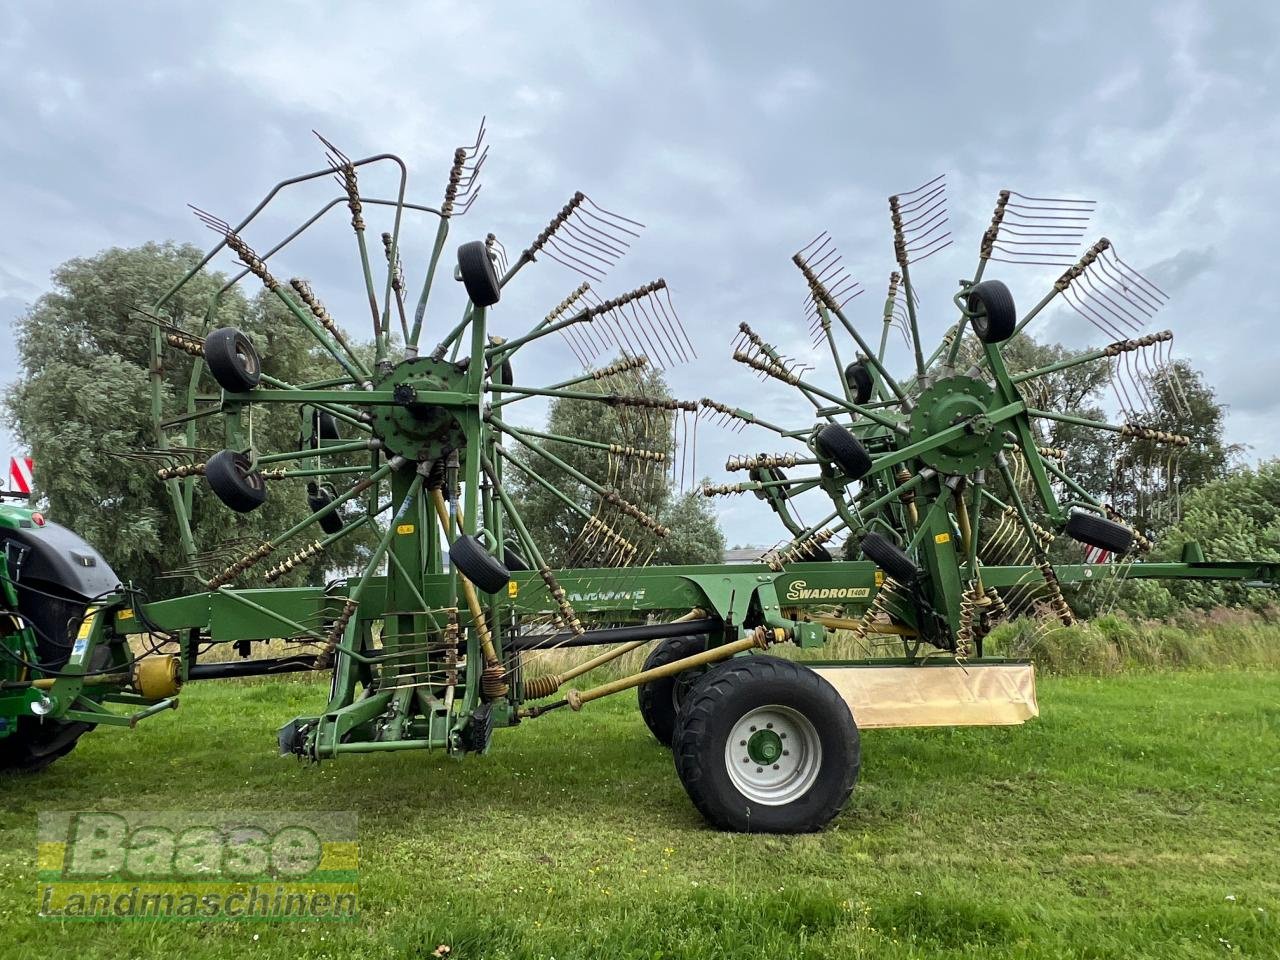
(325, 319)
(727, 413)
(269, 546)
(259, 269)
(611, 496)
(824, 296)
(779, 372)
(1110, 350)
(568, 615)
(333, 643)
(1128, 430)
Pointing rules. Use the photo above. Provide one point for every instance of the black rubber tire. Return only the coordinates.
(232, 360)
(468, 556)
(35, 745)
(995, 316)
(858, 377)
(889, 557)
(512, 557)
(722, 698)
(478, 274)
(326, 426)
(660, 699)
(840, 446)
(318, 498)
(1096, 531)
(507, 373)
(231, 481)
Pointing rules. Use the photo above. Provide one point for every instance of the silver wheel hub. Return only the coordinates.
(773, 755)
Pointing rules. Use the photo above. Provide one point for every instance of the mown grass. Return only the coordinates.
(1138, 817)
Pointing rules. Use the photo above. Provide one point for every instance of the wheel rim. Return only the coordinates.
(773, 755)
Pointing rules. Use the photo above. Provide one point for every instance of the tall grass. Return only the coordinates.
(1223, 637)
(1107, 645)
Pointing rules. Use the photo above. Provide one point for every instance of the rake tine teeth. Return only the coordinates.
(645, 323)
(803, 250)
(590, 246)
(614, 218)
(1099, 286)
(668, 308)
(1076, 302)
(590, 234)
(1138, 277)
(573, 263)
(671, 331)
(931, 183)
(1130, 292)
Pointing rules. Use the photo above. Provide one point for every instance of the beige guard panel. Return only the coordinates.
(969, 695)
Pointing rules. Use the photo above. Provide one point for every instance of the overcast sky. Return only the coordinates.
(735, 132)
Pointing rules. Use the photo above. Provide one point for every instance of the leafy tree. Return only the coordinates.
(695, 536)
(1142, 479)
(82, 404)
(1236, 517)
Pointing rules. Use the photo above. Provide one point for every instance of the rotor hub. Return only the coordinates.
(415, 427)
(957, 401)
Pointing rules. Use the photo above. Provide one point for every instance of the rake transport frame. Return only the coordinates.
(426, 654)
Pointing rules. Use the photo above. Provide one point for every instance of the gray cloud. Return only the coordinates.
(736, 132)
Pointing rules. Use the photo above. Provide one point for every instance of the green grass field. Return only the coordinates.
(1138, 817)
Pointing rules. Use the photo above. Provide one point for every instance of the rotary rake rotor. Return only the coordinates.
(407, 447)
(947, 476)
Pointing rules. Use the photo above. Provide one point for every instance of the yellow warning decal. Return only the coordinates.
(86, 625)
(879, 578)
(942, 538)
(124, 615)
(513, 589)
(405, 529)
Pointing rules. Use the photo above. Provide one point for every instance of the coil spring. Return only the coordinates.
(770, 367)
(793, 553)
(294, 560)
(1052, 453)
(997, 218)
(635, 453)
(1136, 432)
(621, 366)
(455, 177)
(615, 302)
(725, 489)
(763, 461)
(1125, 346)
(313, 304)
(899, 239)
(537, 688)
(352, 185)
(1079, 267)
(180, 471)
(636, 514)
(567, 614)
(565, 213)
(240, 566)
(185, 343)
(493, 682)
(1057, 602)
(251, 260)
(324, 660)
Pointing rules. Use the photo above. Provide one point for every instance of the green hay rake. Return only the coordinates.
(944, 482)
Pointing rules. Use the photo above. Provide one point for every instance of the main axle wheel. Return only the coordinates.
(765, 745)
(660, 699)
